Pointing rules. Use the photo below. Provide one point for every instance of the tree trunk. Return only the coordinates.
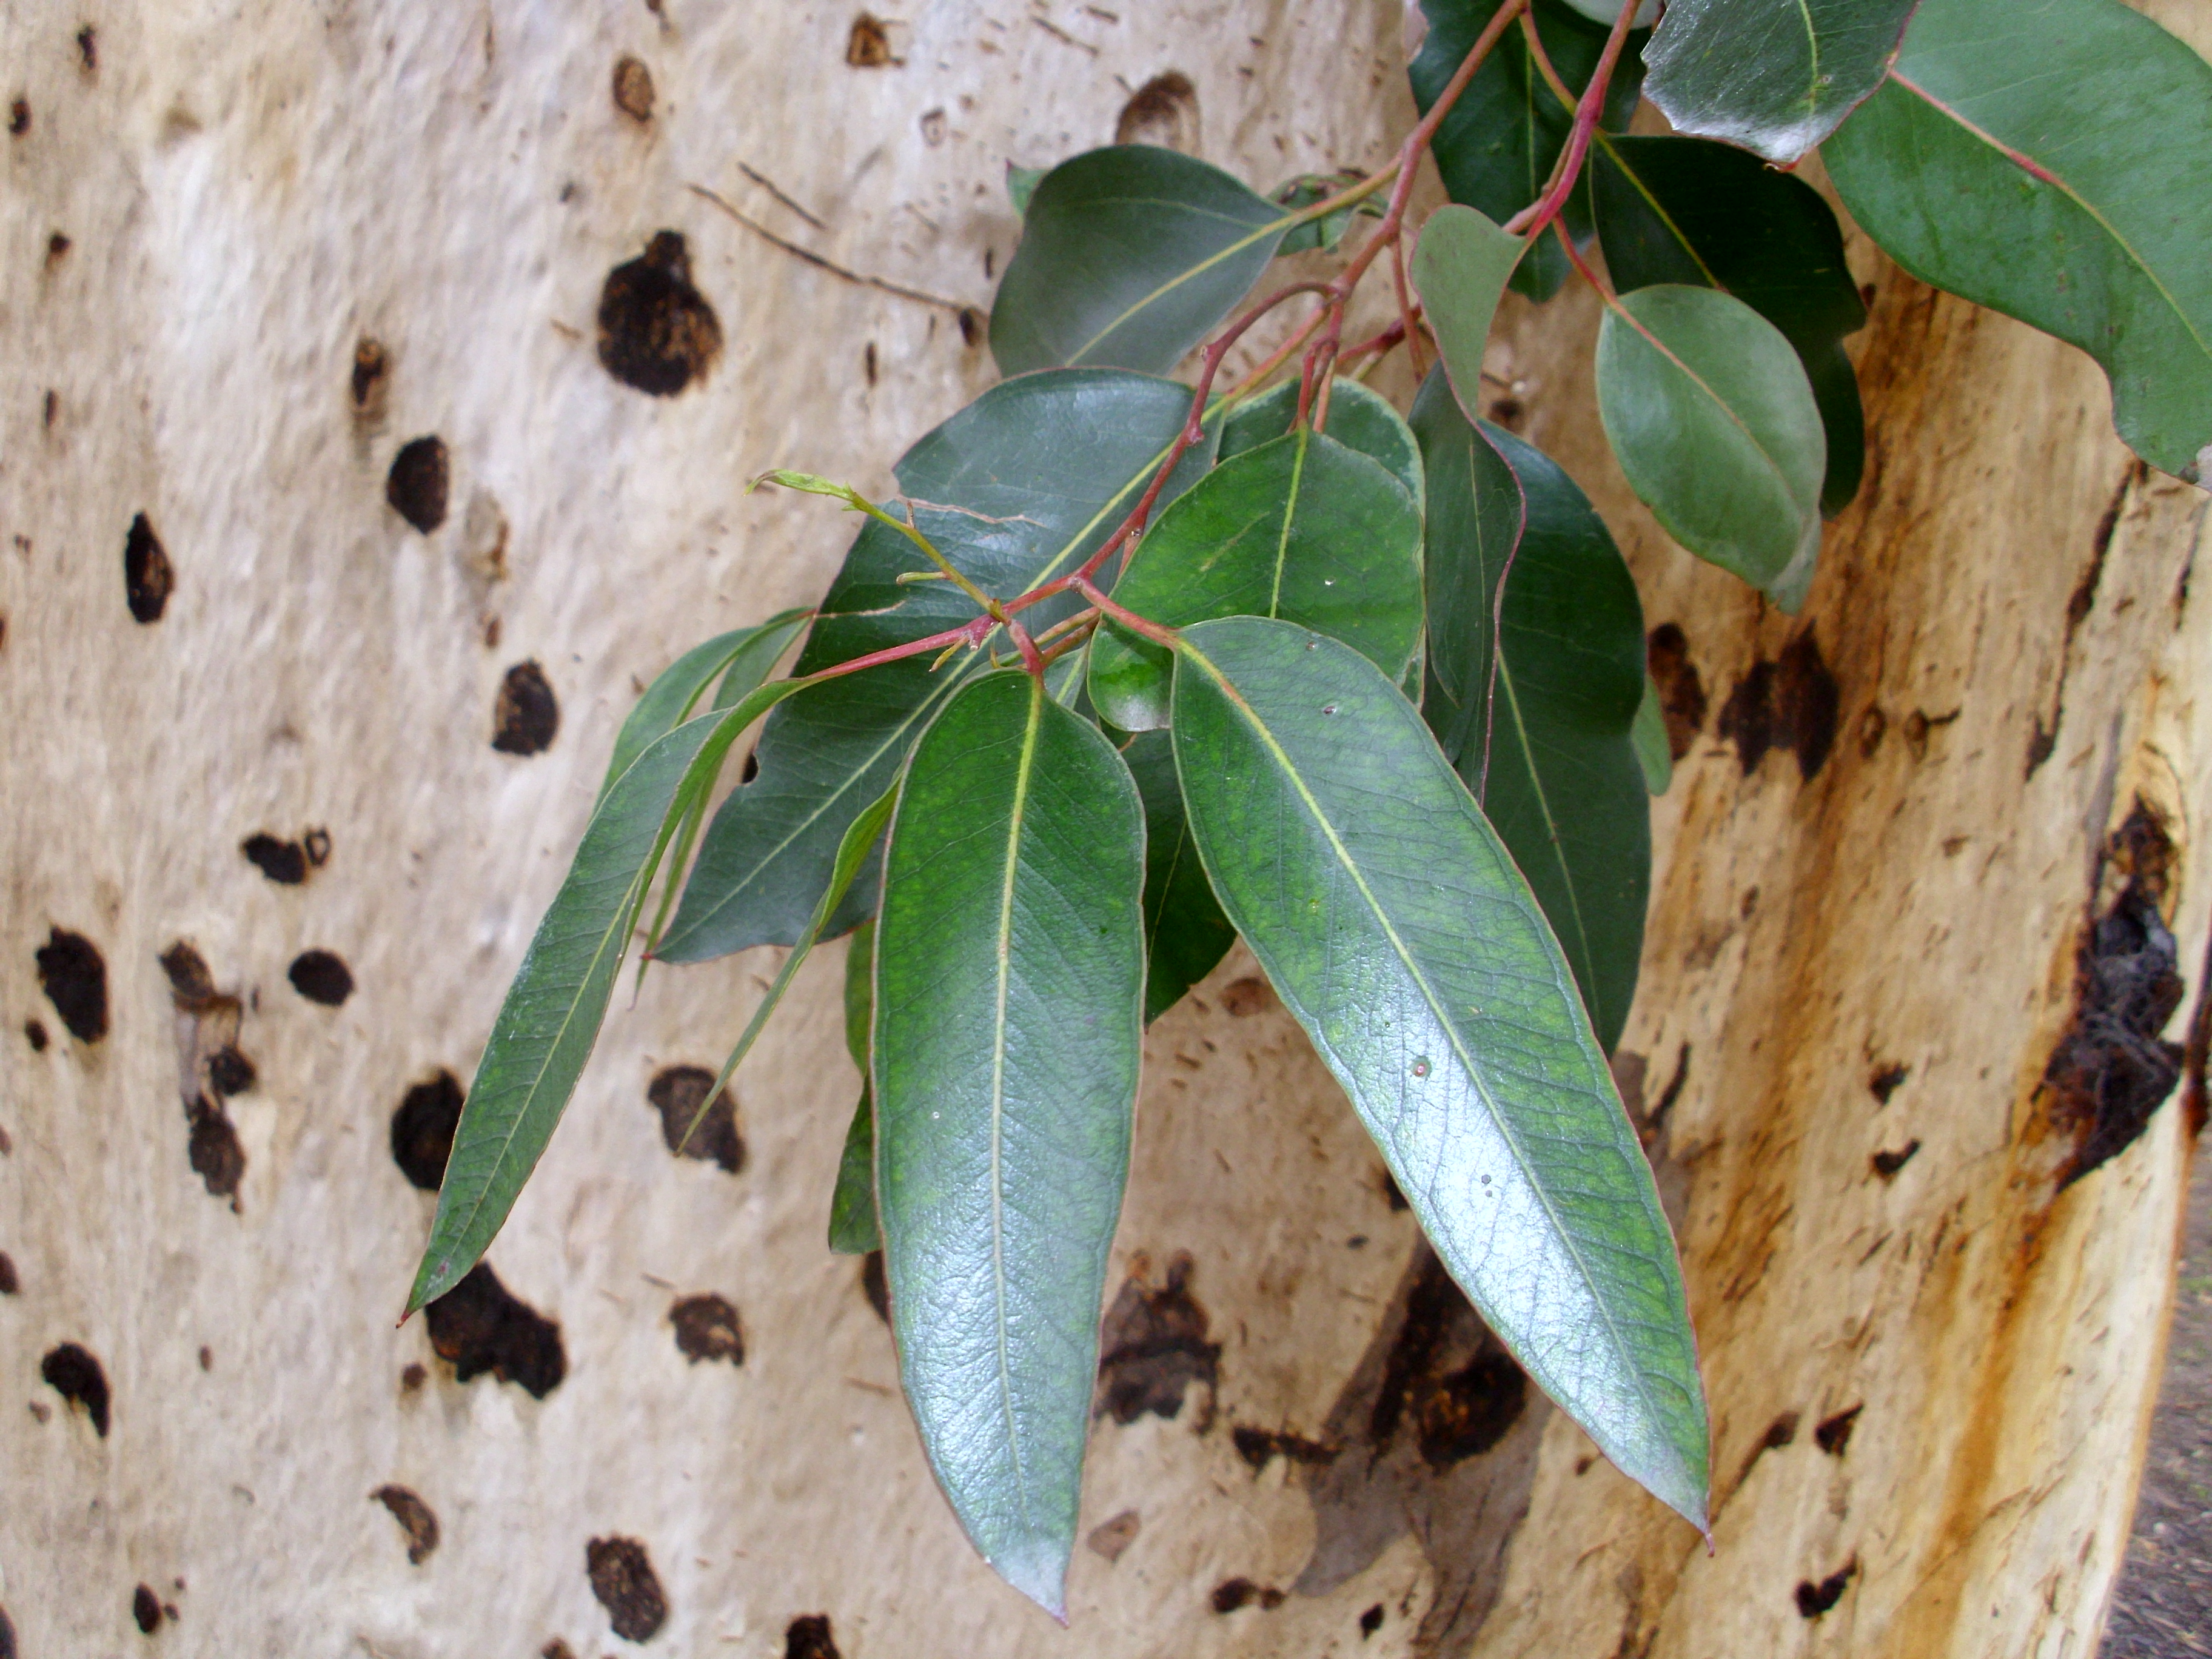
(344, 524)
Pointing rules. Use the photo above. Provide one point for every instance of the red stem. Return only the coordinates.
(1128, 619)
(1533, 218)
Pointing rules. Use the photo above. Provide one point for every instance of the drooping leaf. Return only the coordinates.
(1025, 484)
(1186, 935)
(1460, 271)
(1302, 527)
(1653, 752)
(1009, 993)
(551, 1016)
(853, 1227)
(1709, 215)
(1128, 255)
(1542, 733)
(1397, 932)
(1496, 147)
(1357, 418)
(1774, 78)
(743, 659)
(1708, 410)
(2049, 162)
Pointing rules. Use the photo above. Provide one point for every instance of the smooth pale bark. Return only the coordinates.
(247, 197)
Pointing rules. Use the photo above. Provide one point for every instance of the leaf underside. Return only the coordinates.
(1773, 78)
(1460, 270)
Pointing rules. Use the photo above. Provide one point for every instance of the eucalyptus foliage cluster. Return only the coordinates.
(1133, 667)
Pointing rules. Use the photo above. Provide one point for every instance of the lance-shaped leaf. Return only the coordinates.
(1774, 78)
(1010, 970)
(1690, 210)
(1397, 932)
(2049, 162)
(1460, 270)
(1541, 730)
(1302, 528)
(1496, 147)
(1186, 935)
(551, 1016)
(1357, 418)
(1128, 255)
(743, 659)
(852, 1229)
(1020, 487)
(1653, 752)
(1711, 418)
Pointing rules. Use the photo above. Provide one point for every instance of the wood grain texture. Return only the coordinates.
(298, 240)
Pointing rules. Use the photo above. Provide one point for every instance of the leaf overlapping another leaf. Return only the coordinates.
(1775, 79)
(1461, 268)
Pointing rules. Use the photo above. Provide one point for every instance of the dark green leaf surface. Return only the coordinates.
(743, 659)
(1128, 255)
(1709, 215)
(1653, 753)
(1460, 271)
(1710, 414)
(1302, 527)
(1396, 929)
(1541, 734)
(1186, 935)
(551, 1016)
(2050, 162)
(1026, 482)
(1496, 147)
(1357, 418)
(1009, 995)
(852, 1228)
(1773, 78)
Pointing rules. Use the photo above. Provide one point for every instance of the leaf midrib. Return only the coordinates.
(1274, 228)
(1544, 805)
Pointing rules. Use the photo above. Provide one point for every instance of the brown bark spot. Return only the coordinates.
(423, 1129)
(19, 117)
(478, 1326)
(284, 862)
(1834, 1433)
(676, 1093)
(87, 49)
(35, 1033)
(1231, 1594)
(1152, 1346)
(415, 1517)
(6, 1628)
(321, 977)
(230, 1072)
(633, 89)
(213, 1148)
(1246, 997)
(146, 1609)
(1790, 703)
(147, 576)
(707, 1328)
(418, 484)
(9, 1285)
(624, 1581)
(1885, 1081)
(1163, 112)
(1813, 1600)
(1110, 1538)
(657, 332)
(73, 976)
(874, 1286)
(370, 381)
(525, 716)
(1259, 1447)
(809, 1637)
(1887, 1163)
(869, 43)
(1370, 1622)
(71, 1372)
(1681, 691)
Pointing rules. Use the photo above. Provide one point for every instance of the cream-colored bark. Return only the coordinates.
(249, 194)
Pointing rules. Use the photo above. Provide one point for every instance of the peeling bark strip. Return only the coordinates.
(2111, 1069)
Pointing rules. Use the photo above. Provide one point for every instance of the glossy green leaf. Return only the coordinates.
(1710, 414)
(551, 1016)
(1186, 935)
(1690, 210)
(1773, 78)
(1357, 418)
(1022, 485)
(1653, 752)
(1009, 993)
(1128, 255)
(743, 659)
(2049, 162)
(1302, 527)
(1396, 929)
(1496, 147)
(853, 1227)
(1541, 732)
(1460, 270)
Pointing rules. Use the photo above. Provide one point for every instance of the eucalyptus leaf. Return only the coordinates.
(2049, 162)
(1653, 753)
(551, 1016)
(1773, 78)
(1358, 419)
(1023, 485)
(1461, 268)
(1541, 732)
(853, 1227)
(1310, 189)
(1709, 215)
(1186, 935)
(1496, 147)
(1128, 255)
(1009, 997)
(1709, 412)
(1302, 527)
(1021, 185)
(743, 659)
(1396, 929)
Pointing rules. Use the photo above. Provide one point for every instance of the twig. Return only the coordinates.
(820, 263)
(769, 186)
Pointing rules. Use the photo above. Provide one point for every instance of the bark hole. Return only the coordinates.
(707, 1328)
(657, 332)
(71, 1372)
(147, 576)
(416, 486)
(423, 1129)
(627, 1587)
(74, 975)
(321, 977)
(478, 1326)
(525, 715)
